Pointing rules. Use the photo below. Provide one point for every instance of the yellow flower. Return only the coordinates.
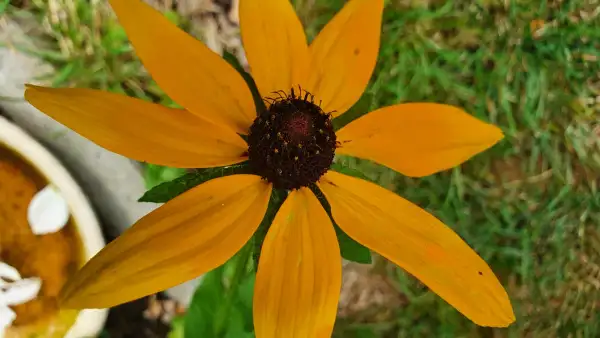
(290, 146)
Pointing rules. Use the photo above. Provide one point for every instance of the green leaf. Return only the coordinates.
(259, 104)
(236, 271)
(237, 324)
(364, 332)
(352, 250)
(246, 291)
(164, 192)
(4, 5)
(63, 75)
(156, 174)
(277, 198)
(177, 328)
(173, 17)
(349, 248)
(200, 316)
(222, 304)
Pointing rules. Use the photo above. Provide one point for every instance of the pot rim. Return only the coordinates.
(89, 322)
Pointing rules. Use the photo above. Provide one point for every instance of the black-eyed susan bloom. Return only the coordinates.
(290, 145)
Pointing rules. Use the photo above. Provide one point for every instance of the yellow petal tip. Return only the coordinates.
(496, 133)
(505, 322)
(502, 316)
(29, 88)
(32, 87)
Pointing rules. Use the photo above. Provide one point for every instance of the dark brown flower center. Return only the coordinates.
(292, 143)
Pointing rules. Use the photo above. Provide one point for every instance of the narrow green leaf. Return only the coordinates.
(234, 62)
(164, 192)
(349, 248)
(63, 75)
(3, 6)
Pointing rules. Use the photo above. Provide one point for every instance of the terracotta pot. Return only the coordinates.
(88, 323)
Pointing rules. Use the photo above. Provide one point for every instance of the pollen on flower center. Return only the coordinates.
(292, 143)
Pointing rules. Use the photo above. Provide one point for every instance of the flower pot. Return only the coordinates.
(81, 238)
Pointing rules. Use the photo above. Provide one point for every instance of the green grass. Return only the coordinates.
(530, 206)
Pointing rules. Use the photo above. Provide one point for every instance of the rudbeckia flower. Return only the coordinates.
(290, 145)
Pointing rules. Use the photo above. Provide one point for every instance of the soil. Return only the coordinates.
(137, 319)
(148, 317)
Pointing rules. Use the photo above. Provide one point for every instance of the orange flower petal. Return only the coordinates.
(140, 130)
(190, 235)
(419, 243)
(275, 44)
(299, 274)
(344, 55)
(417, 139)
(189, 72)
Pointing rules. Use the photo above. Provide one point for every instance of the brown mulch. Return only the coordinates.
(139, 319)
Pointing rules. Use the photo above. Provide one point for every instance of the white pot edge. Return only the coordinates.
(90, 321)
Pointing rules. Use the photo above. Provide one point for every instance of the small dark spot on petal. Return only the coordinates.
(356, 51)
(480, 273)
